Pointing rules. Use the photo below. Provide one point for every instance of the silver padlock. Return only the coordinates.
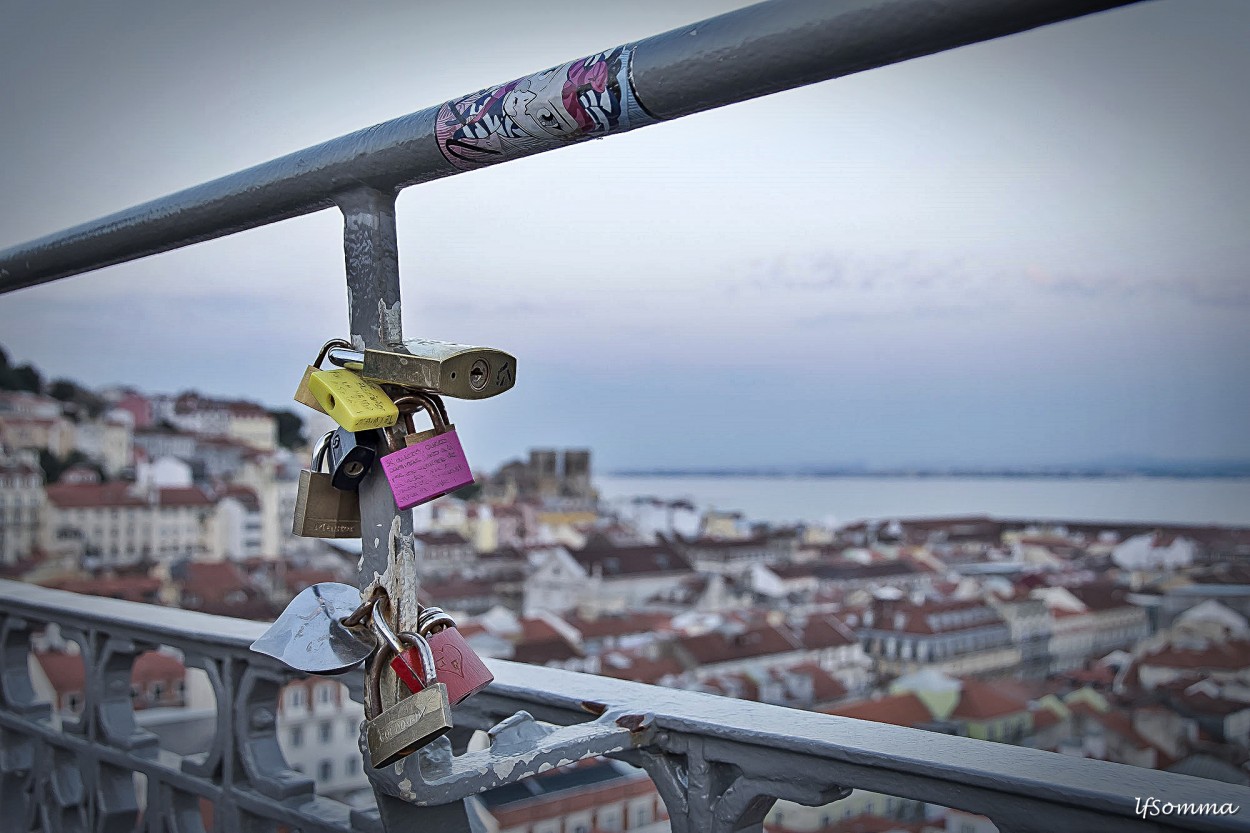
(414, 721)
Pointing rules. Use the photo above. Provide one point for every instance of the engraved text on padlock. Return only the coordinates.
(426, 470)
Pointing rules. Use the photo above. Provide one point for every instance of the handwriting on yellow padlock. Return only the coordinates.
(354, 403)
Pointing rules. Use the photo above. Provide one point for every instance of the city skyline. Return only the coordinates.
(1030, 251)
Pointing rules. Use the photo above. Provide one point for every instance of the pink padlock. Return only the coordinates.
(432, 464)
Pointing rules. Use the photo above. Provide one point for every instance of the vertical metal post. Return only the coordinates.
(388, 552)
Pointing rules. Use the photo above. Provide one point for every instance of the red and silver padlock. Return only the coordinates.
(411, 661)
(457, 665)
(433, 464)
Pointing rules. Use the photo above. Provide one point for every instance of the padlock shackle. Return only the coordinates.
(383, 629)
(319, 450)
(428, 662)
(430, 403)
(344, 355)
(433, 617)
(409, 404)
(373, 680)
(327, 347)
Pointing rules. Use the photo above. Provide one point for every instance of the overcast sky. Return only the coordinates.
(1033, 250)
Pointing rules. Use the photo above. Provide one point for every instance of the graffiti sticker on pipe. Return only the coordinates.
(579, 100)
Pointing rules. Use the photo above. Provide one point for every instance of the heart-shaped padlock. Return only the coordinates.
(310, 635)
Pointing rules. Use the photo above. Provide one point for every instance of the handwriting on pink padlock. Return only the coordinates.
(427, 470)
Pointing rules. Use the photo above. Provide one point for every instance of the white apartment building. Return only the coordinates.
(319, 729)
(54, 434)
(238, 525)
(593, 796)
(1089, 621)
(121, 523)
(602, 575)
(108, 440)
(244, 421)
(21, 506)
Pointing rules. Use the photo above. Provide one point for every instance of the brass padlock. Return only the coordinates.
(322, 511)
(410, 404)
(415, 720)
(303, 394)
(456, 370)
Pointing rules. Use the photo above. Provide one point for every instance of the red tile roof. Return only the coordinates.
(64, 671)
(245, 496)
(634, 622)
(981, 700)
(66, 674)
(934, 617)
(646, 559)
(1233, 655)
(1044, 719)
(540, 643)
(89, 495)
(897, 709)
(130, 588)
(441, 539)
(1101, 596)
(717, 646)
(825, 687)
(826, 631)
(120, 494)
(189, 496)
(640, 669)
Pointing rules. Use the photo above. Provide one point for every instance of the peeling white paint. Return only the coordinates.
(392, 328)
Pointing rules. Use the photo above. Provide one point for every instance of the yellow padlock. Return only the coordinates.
(353, 402)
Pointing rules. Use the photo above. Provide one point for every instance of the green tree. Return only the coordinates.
(469, 492)
(26, 377)
(53, 466)
(290, 429)
(69, 391)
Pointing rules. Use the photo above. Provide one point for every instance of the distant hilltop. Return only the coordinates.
(1179, 469)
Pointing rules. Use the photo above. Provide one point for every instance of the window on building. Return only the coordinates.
(325, 770)
(297, 737)
(324, 693)
(73, 701)
(352, 766)
(157, 691)
(295, 697)
(609, 820)
(325, 731)
(640, 815)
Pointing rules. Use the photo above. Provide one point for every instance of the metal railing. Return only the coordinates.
(718, 764)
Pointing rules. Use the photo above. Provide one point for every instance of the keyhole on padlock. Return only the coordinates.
(354, 469)
(330, 401)
(478, 374)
